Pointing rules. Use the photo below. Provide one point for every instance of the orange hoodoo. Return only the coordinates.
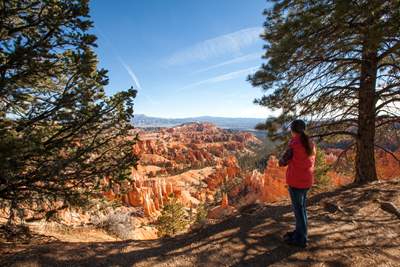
(135, 197)
(224, 201)
(274, 184)
(170, 189)
(148, 206)
(269, 186)
(223, 210)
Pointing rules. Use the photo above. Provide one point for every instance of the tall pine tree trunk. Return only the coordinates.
(365, 157)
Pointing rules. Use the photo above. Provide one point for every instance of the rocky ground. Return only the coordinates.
(351, 226)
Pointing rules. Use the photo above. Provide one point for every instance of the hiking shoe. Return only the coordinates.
(289, 235)
(295, 243)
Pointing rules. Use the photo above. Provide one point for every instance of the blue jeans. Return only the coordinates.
(299, 199)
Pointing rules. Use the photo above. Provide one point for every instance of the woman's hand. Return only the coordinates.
(287, 156)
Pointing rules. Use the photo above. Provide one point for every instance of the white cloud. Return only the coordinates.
(221, 78)
(131, 74)
(236, 60)
(230, 43)
(135, 81)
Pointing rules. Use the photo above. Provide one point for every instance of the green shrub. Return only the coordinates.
(201, 215)
(172, 219)
(321, 169)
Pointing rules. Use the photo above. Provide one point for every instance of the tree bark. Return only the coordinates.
(365, 157)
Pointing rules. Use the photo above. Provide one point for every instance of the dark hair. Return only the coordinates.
(299, 126)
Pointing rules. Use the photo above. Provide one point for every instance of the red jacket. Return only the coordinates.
(300, 171)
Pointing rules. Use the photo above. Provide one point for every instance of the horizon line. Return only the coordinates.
(200, 116)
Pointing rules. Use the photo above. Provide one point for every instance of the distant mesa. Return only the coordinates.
(244, 124)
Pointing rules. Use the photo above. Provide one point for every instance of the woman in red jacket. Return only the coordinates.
(300, 158)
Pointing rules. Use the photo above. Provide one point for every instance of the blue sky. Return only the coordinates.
(186, 57)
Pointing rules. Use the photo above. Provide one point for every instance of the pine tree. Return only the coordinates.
(59, 132)
(172, 219)
(337, 65)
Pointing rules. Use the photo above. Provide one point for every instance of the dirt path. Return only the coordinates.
(347, 228)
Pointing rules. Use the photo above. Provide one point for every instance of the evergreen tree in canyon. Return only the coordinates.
(337, 65)
(59, 132)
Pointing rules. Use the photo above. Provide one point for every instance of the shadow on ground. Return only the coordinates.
(249, 239)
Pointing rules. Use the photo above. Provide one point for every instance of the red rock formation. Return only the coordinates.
(227, 171)
(224, 202)
(338, 179)
(221, 211)
(387, 166)
(147, 206)
(175, 150)
(267, 187)
(330, 158)
(109, 195)
(169, 189)
(135, 197)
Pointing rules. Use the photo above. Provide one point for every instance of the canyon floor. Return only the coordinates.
(348, 227)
